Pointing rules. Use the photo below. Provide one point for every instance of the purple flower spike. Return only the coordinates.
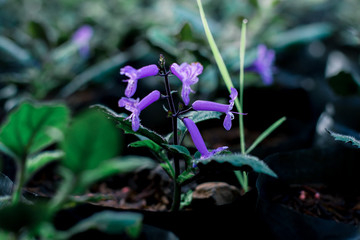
(134, 75)
(188, 74)
(198, 140)
(263, 64)
(218, 107)
(82, 38)
(135, 107)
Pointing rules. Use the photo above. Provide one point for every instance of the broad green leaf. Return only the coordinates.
(37, 162)
(25, 131)
(199, 117)
(160, 38)
(146, 143)
(93, 73)
(14, 218)
(302, 34)
(158, 151)
(110, 222)
(237, 161)
(112, 167)
(185, 175)
(126, 125)
(179, 150)
(90, 140)
(345, 138)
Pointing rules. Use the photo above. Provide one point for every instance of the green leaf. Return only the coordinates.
(90, 140)
(93, 73)
(345, 138)
(199, 117)
(237, 161)
(146, 143)
(158, 151)
(14, 218)
(185, 175)
(37, 162)
(186, 199)
(158, 37)
(25, 131)
(111, 167)
(110, 222)
(126, 125)
(301, 34)
(179, 150)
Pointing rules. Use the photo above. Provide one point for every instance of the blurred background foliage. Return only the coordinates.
(313, 39)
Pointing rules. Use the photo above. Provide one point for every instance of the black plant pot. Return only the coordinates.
(337, 167)
(230, 221)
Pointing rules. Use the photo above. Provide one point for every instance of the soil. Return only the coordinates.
(320, 201)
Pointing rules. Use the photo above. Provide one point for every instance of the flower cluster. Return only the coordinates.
(188, 75)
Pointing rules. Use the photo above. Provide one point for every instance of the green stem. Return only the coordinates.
(241, 94)
(19, 182)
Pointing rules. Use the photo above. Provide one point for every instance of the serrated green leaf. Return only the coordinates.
(159, 152)
(185, 175)
(110, 222)
(238, 160)
(90, 140)
(199, 117)
(345, 138)
(25, 131)
(111, 167)
(179, 150)
(37, 162)
(126, 125)
(146, 143)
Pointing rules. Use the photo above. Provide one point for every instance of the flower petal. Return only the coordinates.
(149, 99)
(196, 136)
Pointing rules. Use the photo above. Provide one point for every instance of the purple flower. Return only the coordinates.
(135, 107)
(82, 38)
(198, 140)
(218, 107)
(263, 64)
(134, 75)
(187, 73)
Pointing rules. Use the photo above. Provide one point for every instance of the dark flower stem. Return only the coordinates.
(174, 115)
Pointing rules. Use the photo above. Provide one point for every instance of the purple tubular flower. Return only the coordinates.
(135, 107)
(219, 107)
(263, 64)
(198, 140)
(188, 74)
(82, 38)
(134, 75)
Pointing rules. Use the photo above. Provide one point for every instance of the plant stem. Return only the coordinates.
(177, 188)
(20, 179)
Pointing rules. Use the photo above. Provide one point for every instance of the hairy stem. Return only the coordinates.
(177, 188)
